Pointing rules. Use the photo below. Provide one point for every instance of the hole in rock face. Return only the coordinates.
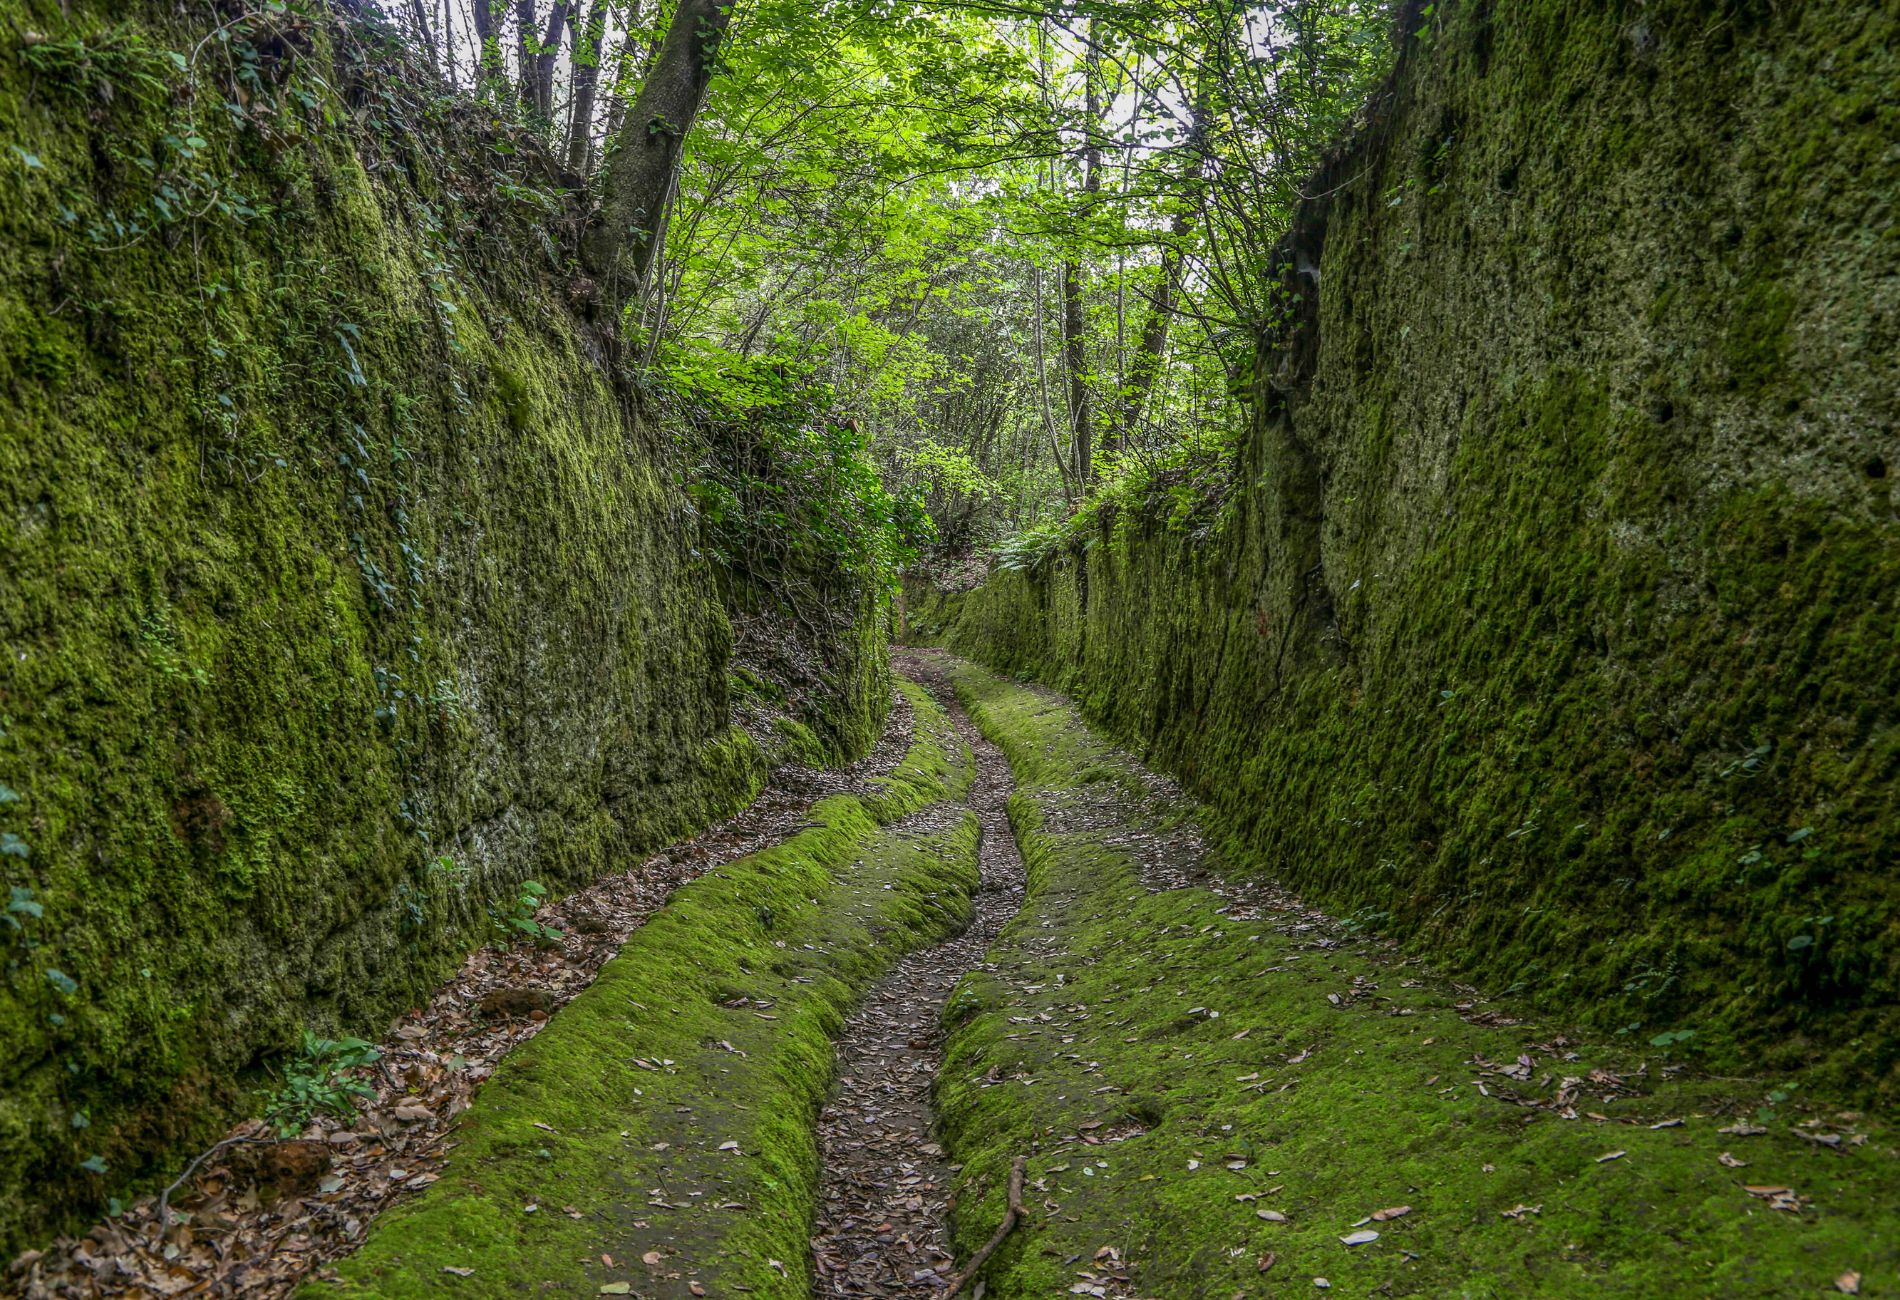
(1135, 1119)
(1875, 467)
(1145, 1113)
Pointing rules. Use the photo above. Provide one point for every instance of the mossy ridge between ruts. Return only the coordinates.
(571, 1122)
(1096, 1007)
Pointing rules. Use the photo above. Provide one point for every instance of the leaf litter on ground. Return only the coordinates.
(254, 1221)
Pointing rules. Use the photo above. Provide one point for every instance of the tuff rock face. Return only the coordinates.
(1549, 613)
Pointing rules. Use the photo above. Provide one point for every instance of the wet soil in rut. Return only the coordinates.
(884, 1197)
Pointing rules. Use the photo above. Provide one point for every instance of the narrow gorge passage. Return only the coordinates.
(1388, 780)
(881, 1225)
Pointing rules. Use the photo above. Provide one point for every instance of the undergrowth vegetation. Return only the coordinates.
(318, 1081)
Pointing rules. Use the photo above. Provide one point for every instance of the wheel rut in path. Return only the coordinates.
(344, 1171)
(883, 1197)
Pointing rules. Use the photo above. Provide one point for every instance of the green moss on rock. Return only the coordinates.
(1554, 616)
(331, 549)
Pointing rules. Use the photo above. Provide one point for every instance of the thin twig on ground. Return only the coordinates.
(981, 1257)
(165, 1197)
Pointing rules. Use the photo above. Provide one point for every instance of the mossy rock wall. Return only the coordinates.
(1553, 620)
(343, 586)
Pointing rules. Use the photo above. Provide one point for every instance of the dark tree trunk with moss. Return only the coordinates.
(643, 159)
(588, 52)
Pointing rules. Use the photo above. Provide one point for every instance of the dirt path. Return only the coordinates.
(884, 1194)
(1215, 1089)
(257, 1219)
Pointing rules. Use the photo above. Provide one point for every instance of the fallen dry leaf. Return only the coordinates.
(651, 1259)
(1778, 1198)
(1264, 1263)
(1611, 1155)
(1731, 1161)
(459, 1272)
(1364, 1237)
(1397, 1211)
(1271, 1216)
(1848, 1283)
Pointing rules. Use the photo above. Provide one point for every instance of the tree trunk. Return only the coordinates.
(644, 158)
(587, 56)
(524, 54)
(1074, 340)
(490, 74)
(544, 60)
(426, 31)
(1154, 346)
(447, 20)
(1075, 361)
(617, 86)
(1042, 389)
(1152, 351)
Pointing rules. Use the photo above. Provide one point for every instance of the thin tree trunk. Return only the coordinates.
(426, 31)
(617, 87)
(644, 158)
(1042, 388)
(587, 56)
(445, 16)
(1075, 361)
(544, 60)
(524, 54)
(491, 73)
(1152, 351)
(1074, 340)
